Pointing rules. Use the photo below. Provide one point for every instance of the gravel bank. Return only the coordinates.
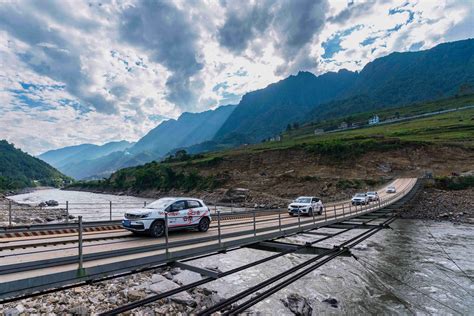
(29, 214)
(442, 205)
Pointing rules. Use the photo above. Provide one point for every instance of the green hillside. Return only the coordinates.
(440, 130)
(19, 170)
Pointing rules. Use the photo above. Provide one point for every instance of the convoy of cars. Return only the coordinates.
(306, 205)
(191, 213)
(182, 213)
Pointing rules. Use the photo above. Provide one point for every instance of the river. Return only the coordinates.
(413, 268)
(396, 272)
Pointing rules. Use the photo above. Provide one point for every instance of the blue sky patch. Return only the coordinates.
(333, 44)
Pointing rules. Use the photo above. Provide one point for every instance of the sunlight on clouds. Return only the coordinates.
(76, 72)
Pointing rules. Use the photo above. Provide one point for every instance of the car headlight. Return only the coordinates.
(145, 215)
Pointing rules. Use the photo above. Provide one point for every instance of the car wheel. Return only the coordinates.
(157, 229)
(203, 225)
(310, 212)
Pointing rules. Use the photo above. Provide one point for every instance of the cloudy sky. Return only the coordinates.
(94, 71)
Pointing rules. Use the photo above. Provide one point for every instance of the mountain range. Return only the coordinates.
(393, 80)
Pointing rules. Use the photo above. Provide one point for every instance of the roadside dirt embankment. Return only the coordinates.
(289, 173)
(271, 178)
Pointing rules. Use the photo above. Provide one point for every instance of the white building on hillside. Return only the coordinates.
(374, 120)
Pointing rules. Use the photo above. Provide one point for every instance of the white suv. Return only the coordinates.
(182, 213)
(360, 198)
(306, 205)
(373, 196)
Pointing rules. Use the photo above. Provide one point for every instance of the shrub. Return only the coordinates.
(454, 183)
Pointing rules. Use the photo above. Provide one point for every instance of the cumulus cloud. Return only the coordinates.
(288, 26)
(94, 71)
(51, 54)
(244, 22)
(167, 34)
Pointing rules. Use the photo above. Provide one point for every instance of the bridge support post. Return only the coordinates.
(279, 220)
(314, 219)
(335, 214)
(67, 211)
(144, 204)
(110, 210)
(350, 208)
(9, 213)
(166, 236)
(219, 227)
(325, 214)
(254, 224)
(343, 213)
(299, 218)
(80, 271)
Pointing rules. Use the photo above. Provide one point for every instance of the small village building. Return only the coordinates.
(343, 125)
(318, 131)
(374, 120)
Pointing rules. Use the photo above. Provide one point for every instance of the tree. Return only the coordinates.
(288, 127)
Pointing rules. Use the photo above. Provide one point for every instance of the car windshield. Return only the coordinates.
(371, 193)
(360, 195)
(160, 204)
(303, 200)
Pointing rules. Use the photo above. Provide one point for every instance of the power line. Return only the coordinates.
(447, 254)
(410, 286)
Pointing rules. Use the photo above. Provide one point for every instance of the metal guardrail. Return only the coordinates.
(222, 238)
(259, 227)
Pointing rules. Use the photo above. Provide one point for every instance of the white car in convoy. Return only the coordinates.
(373, 196)
(391, 189)
(182, 213)
(306, 205)
(360, 198)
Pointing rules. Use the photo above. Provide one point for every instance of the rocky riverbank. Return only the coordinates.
(104, 296)
(274, 193)
(29, 214)
(443, 205)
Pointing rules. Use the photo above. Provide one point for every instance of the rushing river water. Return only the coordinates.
(405, 270)
(396, 272)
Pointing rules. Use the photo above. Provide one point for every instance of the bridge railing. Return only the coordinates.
(259, 226)
(13, 214)
(256, 225)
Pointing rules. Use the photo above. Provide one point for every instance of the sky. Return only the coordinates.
(74, 72)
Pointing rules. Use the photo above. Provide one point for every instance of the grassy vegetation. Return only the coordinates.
(152, 176)
(454, 183)
(453, 128)
(399, 112)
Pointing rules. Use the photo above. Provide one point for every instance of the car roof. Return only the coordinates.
(370, 192)
(180, 198)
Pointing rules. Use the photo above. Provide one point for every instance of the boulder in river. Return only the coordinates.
(298, 304)
(331, 301)
(52, 203)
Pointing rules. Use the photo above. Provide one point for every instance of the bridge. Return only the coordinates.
(31, 265)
